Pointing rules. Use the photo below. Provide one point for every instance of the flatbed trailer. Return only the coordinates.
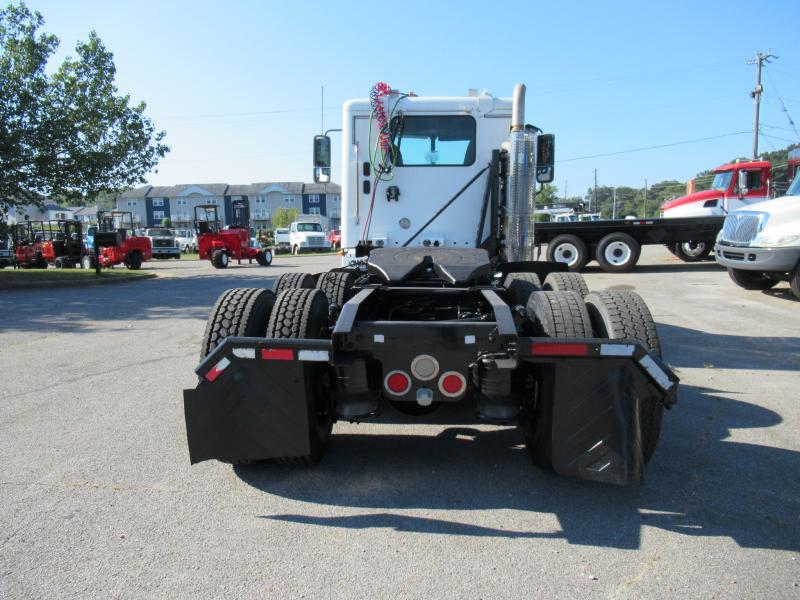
(616, 244)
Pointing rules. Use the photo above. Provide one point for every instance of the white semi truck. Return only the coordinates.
(438, 301)
(760, 245)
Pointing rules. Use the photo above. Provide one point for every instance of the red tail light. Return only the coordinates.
(452, 384)
(397, 383)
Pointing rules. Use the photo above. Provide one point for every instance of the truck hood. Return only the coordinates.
(691, 198)
(785, 208)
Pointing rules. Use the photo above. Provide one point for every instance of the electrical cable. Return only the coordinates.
(783, 106)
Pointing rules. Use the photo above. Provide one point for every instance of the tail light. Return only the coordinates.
(397, 383)
(424, 367)
(452, 384)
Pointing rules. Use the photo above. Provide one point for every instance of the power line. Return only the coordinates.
(643, 148)
(783, 106)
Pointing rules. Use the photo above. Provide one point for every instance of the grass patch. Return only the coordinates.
(22, 277)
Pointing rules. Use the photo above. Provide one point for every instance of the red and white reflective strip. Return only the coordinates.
(277, 354)
(217, 369)
(559, 349)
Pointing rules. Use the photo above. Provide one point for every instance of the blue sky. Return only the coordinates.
(236, 85)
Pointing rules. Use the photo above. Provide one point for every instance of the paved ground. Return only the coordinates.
(99, 499)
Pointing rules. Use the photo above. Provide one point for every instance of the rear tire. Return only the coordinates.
(291, 281)
(751, 280)
(556, 315)
(692, 251)
(133, 261)
(337, 285)
(242, 312)
(617, 253)
(87, 261)
(570, 250)
(302, 313)
(219, 258)
(566, 282)
(620, 315)
(58, 263)
(264, 258)
(519, 287)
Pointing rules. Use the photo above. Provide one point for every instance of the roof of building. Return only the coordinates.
(224, 189)
(322, 188)
(139, 192)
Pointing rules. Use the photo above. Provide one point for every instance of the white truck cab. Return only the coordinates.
(306, 236)
(760, 245)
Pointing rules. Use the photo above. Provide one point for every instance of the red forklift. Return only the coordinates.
(37, 244)
(221, 244)
(118, 242)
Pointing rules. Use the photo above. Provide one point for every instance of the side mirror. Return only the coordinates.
(322, 159)
(545, 158)
(742, 183)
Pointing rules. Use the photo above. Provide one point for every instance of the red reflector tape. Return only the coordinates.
(217, 370)
(277, 354)
(555, 349)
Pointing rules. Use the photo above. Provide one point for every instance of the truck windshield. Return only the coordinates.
(794, 189)
(722, 181)
(309, 227)
(159, 232)
(439, 141)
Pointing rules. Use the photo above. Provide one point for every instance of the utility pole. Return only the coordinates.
(594, 194)
(565, 190)
(758, 61)
(322, 110)
(644, 210)
(614, 206)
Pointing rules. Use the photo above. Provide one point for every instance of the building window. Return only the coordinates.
(133, 203)
(158, 216)
(334, 198)
(313, 199)
(157, 202)
(261, 200)
(313, 210)
(212, 201)
(334, 213)
(288, 199)
(181, 202)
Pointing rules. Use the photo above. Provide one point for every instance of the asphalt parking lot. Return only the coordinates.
(99, 499)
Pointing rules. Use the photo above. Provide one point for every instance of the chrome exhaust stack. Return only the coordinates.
(521, 189)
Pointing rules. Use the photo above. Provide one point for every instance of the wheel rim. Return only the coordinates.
(268, 256)
(617, 253)
(224, 258)
(693, 249)
(566, 253)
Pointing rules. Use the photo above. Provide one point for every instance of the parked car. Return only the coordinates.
(335, 238)
(164, 242)
(187, 240)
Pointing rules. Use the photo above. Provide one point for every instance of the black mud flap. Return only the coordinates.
(251, 401)
(597, 400)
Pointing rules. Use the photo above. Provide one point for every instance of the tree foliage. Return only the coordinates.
(283, 217)
(70, 134)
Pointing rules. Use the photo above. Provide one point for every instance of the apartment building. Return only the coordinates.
(149, 205)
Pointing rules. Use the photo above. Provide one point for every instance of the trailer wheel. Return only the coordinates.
(58, 263)
(87, 261)
(557, 315)
(566, 282)
(751, 280)
(617, 252)
(337, 285)
(133, 261)
(619, 315)
(302, 313)
(219, 258)
(519, 287)
(291, 281)
(264, 258)
(692, 251)
(237, 312)
(570, 250)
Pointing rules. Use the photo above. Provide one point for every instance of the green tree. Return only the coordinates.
(166, 222)
(283, 217)
(69, 135)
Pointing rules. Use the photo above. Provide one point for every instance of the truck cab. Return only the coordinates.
(726, 193)
(164, 242)
(760, 245)
(306, 236)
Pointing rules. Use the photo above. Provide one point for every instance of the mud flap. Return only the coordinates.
(251, 402)
(596, 423)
